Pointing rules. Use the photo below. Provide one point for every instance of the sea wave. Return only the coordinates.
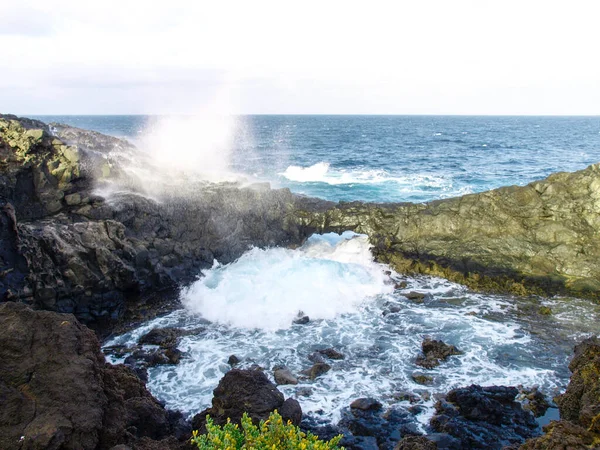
(322, 172)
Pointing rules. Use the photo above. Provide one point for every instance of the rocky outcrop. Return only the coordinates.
(57, 391)
(68, 249)
(539, 238)
(579, 406)
(250, 392)
(483, 417)
(434, 352)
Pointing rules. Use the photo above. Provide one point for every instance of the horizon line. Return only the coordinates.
(312, 114)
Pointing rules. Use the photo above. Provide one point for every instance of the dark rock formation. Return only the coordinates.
(247, 391)
(331, 353)
(484, 417)
(164, 337)
(67, 249)
(366, 404)
(533, 400)
(434, 352)
(57, 391)
(370, 423)
(317, 370)
(579, 406)
(415, 443)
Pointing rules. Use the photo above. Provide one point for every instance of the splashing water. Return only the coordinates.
(328, 276)
(354, 308)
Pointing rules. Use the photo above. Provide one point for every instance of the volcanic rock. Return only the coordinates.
(164, 337)
(317, 370)
(484, 417)
(58, 392)
(434, 352)
(579, 406)
(246, 391)
(366, 404)
(415, 443)
(331, 353)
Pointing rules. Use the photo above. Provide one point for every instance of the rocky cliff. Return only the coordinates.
(80, 235)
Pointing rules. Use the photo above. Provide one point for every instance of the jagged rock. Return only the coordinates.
(164, 337)
(434, 352)
(248, 391)
(71, 250)
(366, 404)
(386, 427)
(561, 435)
(484, 417)
(317, 370)
(283, 375)
(581, 401)
(422, 379)
(579, 406)
(415, 443)
(233, 360)
(331, 353)
(533, 400)
(58, 392)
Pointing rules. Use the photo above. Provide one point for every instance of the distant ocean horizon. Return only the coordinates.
(386, 158)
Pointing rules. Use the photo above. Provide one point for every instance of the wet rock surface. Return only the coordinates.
(435, 352)
(483, 417)
(247, 391)
(57, 390)
(579, 406)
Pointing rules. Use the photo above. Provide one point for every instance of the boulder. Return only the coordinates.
(434, 352)
(331, 353)
(246, 391)
(283, 375)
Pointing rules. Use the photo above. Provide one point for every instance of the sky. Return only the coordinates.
(300, 57)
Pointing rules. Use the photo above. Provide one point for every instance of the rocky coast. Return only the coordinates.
(83, 243)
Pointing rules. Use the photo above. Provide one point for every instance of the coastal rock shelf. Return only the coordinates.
(541, 238)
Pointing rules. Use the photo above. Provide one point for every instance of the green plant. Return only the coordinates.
(271, 434)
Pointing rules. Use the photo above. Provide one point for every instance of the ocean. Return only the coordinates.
(385, 158)
(246, 308)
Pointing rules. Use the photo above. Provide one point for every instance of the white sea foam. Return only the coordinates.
(333, 279)
(328, 276)
(323, 173)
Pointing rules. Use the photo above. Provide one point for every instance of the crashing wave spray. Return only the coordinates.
(328, 276)
(178, 153)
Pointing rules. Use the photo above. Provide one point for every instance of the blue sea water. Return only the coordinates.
(392, 158)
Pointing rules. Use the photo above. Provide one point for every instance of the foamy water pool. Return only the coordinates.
(247, 308)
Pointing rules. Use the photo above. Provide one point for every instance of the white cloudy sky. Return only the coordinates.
(367, 57)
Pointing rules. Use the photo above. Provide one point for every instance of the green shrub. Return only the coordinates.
(271, 434)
